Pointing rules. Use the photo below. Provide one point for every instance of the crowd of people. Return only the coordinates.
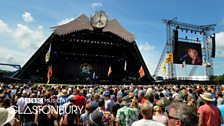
(111, 105)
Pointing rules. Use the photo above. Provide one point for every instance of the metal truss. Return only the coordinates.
(204, 30)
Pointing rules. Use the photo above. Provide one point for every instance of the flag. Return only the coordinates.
(109, 71)
(49, 74)
(47, 56)
(125, 65)
(164, 68)
(183, 64)
(141, 72)
(169, 58)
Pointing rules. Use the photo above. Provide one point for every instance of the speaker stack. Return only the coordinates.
(175, 40)
(213, 46)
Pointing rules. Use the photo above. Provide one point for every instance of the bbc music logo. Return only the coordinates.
(44, 100)
(35, 100)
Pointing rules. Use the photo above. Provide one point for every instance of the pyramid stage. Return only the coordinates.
(83, 53)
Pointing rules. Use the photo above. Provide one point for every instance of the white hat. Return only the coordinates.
(207, 97)
(6, 115)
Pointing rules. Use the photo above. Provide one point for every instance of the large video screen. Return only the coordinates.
(189, 52)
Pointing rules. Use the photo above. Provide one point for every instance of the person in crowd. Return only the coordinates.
(89, 98)
(117, 105)
(29, 113)
(221, 108)
(84, 116)
(70, 118)
(212, 92)
(191, 101)
(45, 114)
(158, 115)
(209, 115)
(219, 98)
(180, 114)
(176, 93)
(146, 110)
(79, 99)
(71, 101)
(190, 93)
(63, 98)
(199, 100)
(95, 118)
(135, 109)
(123, 116)
(107, 117)
(95, 102)
(21, 105)
(108, 102)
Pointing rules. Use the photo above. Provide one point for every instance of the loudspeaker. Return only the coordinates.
(175, 40)
(213, 47)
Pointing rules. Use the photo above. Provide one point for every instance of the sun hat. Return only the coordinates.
(24, 94)
(64, 92)
(207, 97)
(6, 115)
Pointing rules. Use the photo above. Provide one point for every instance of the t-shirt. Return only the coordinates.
(144, 122)
(109, 105)
(161, 119)
(211, 114)
(84, 118)
(21, 104)
(63, 100)
(125, 116)
(79, 100)
(106, 118)
(221, 108)
(219, 101)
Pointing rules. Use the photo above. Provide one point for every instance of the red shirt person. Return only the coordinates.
(209, 115)
(79, 99)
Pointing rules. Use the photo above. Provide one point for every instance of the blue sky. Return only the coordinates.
(25, 25)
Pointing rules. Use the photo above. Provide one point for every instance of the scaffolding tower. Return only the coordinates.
(204, 30)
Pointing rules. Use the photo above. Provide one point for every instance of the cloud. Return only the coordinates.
(150, 56)
(27, 17)
(146, 47)
(10, 55)
(220, 44)
(66, 20)
(4, 27)
(28, 38)
(96, 5)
